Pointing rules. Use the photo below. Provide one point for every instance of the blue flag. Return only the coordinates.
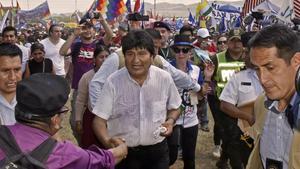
(142, 10)
(238, 22)
(222, 26)
(128, 6)
(191, 19)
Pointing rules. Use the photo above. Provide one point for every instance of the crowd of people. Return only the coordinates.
(140, 96)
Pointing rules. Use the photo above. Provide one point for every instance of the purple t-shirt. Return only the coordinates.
(65, 155)
(82, 59)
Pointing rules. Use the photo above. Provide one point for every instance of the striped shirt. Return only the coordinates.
(135, 112)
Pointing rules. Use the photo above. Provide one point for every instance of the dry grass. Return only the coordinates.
(204, 158)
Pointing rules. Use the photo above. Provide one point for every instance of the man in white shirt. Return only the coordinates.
(52, 45)
(9, 35)
(10, 74)
(135, 103)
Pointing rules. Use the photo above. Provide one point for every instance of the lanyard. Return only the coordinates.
(165, 55)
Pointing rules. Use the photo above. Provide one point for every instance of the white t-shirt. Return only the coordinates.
(188, 117)
(52, 52)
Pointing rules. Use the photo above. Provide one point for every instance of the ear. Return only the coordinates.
(55, 119)
(295, 62)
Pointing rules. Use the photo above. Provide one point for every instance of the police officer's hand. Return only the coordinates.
(250, 119)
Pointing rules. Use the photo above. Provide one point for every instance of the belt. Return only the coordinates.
(142, 148)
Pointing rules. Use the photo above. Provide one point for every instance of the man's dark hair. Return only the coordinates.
(8, 29)
(153, 33)
(7, 49)
(52, 27)
(187, 28)
(280, 36)
(138, 39)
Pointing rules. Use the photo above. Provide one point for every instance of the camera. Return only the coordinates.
(137, 17)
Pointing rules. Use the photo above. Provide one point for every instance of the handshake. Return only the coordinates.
(118, 148)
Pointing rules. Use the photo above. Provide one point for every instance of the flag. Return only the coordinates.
(100, 6)
(142, 10)
(128, 6)
(115, 8)
(249, 5)
(1, 10)
(191, 19)
(223, 25)
(238, 22)
(297, 8)
(37, 13)
(203, 9)
(3, 22)
(137, 6)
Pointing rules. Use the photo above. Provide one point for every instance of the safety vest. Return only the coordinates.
(225, 71)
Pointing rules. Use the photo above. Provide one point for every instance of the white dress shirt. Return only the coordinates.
(134, 112)
(7, 111)
(111, 64)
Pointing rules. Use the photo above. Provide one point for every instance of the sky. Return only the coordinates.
(67, 6)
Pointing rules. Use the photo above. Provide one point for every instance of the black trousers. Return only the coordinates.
(233, 148)
(188, 142)
(146, 157)
(214, 105)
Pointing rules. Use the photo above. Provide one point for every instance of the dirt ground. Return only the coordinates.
(204, 158)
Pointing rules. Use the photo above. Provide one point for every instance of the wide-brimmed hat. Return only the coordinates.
(182, 40)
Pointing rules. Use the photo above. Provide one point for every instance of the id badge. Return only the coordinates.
(273, 164)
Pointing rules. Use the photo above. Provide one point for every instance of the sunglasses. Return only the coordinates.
(221, 42)
(183, 50)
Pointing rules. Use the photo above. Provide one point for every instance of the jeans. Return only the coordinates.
(202, 112)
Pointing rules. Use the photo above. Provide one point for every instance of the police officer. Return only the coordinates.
(227, 63)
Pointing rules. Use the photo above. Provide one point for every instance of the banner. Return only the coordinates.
(37, 13)
(3, 22)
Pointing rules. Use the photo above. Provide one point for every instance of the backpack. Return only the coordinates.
(16, 159)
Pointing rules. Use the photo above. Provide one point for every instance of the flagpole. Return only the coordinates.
(75, 5)
(154, 7)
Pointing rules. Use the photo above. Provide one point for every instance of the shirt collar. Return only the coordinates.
(273, 104)
(188, 64)
(5, 103)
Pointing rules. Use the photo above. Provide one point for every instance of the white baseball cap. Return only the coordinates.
(203, 33)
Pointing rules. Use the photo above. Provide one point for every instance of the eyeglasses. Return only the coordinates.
(221, 42)
(183, 50)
